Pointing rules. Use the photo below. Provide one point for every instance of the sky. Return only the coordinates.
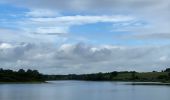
(84, 36)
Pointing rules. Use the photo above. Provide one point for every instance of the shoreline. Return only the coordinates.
(130, 82)
(22, 82)
(149, 83)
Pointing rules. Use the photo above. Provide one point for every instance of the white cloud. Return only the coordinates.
(62, 24)
(42, 13)
(43, 54)
(25, 36)
(163, 58)
(83, 58)
(164, 37)
(5, 46)
(79, 19)
(51, 30)
(154, 12)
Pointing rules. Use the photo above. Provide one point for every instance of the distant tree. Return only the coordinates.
(29, 71)
(169, 74)
(114, 74)
(154, 71)
(99, 76)
(35, 72)
(167, 70)
(21, 71)
(20, 76)
(163, 78)
(1, 69)
(133, 75)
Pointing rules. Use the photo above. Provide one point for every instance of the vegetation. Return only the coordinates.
(154, 76)
(20, 76)
(34, 76)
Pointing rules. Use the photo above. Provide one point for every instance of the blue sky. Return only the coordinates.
(94, 28)
(98, 32)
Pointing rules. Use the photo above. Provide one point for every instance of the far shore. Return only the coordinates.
(149, 83)
(130, 82)
(22, 82)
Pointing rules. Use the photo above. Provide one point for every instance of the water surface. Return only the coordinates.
(83, 90)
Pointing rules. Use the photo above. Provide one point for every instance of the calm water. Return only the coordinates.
(83, 90)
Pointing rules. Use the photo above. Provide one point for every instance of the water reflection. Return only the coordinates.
(83, 90)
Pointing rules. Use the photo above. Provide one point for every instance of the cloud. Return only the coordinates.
(158, 36)
(5, 46)
(38, 40)
(86, 5)
(154, 12)
(21, 36)
(79, 19)
(63, 24)
(9, 35)
(51, 30)
(57, 34)
(11, 53)
(146, 36)
(42, 13)
(83, 58)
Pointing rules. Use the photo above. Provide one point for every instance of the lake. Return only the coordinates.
(83, 90)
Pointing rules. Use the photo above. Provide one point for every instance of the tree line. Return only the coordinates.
(7, 75)
(154, 76)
